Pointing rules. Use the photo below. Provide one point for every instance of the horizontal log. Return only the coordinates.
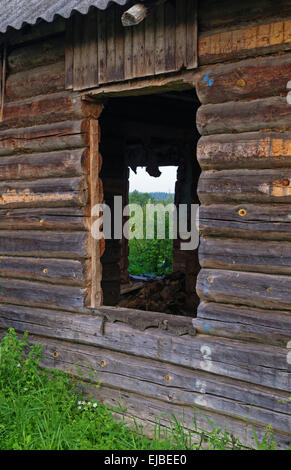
(43, 244)
(249, 150)
(142, 320)
(40, 294)
(238, 13)
(245, 288)
(253, 363)
(244, 323)
(155, 414)
(162, 381)
(245, 41)
(60, 271)
(261, 77)
(34, 82)
(260, 186)
(43, 165)
(42, 52)
(261, 256)
(55, 107)
(44, 219)
(52, 192)
(44, 138)
(35, 32)
(244, 116)
(250, 221)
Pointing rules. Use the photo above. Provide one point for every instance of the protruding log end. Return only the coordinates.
(135, 15)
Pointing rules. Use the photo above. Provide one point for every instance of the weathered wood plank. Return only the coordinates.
(244, 323)
(43, 52)
(191, 34)
(149, 45)
(102, 47)
(259, 256)
(78, 63)
(170, 37)
(153, 414)
(245, 186)
(44, 219)
(251, 221)
(138, 50)
(226, 118)
(261, 77)
(162, 381)
(56, 271)
(238, 13)
(245, 288)
(69, 53)
(249, 150)
(244, 42)
(41, 294)
(253, 363)
(45, 138)
(72, 245)
(160, 64)
(39, 81)
(55, 107)
(96, 197)
(43, 165)
(34, 33)
(52, 192)
(181, 35)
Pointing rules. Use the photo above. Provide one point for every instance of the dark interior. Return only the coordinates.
(151, 131)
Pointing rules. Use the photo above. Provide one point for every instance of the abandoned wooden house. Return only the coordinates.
(90, 88)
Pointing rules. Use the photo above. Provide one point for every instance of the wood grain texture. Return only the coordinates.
(52, 192)
(246, 150)
(165, 42)
(266, 291)
(44, 138)
(72, 245)
(55, 107)
(225, 358)
(244, 42)
(62, 219)
(253, 78)
(260, 256)
(96, 197)
(250, 221)
(55, 271)
(162, 381)
(38, 81)
(244, 323)
(42, 294)
(261, 186)
(226, 118)
(64, 163)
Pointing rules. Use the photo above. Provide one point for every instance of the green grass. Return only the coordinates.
(43, 410)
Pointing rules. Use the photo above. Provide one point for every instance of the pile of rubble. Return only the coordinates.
(167, 295)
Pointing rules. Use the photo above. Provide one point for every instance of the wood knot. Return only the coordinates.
(242, 212)
(167, 378)
(44, 270)
(241, 82)
(56, 354)
(103, 363)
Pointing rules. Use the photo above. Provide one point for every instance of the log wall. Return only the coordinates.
(229, 364)
(49, 165)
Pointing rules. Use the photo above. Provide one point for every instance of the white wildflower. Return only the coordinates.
(94, 405)
(18, 365)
